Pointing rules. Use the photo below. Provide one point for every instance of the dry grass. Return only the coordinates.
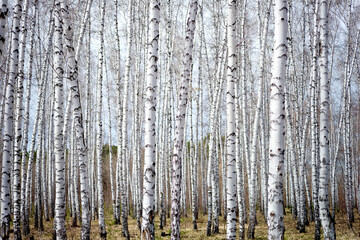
(187, 232)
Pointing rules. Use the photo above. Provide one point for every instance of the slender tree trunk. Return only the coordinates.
(17, 125)
(230, 125)
(324, 206)
(26, 124)
(254, 143)
(211, 179)
(239, 156)
(119, 118)
(44, 192)
(314, 130)
(166, 130)
(40, 136)
(110, 153)
(346, 127)
(28, 180)
(51, 157)
(148, 211)
(38, 186)
(60, 201)
(8, 124)
(81, 149)
(123, 149)
(241, 139)
(4, 10)
(180, 122)
(99, 143)
(277, 124)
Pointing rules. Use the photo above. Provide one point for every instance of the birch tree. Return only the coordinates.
(99, 143)
(148, 211)
(8, 122)
(3, 14)
(119, 116)
(124, 126)
(73, 56)
(60, 206)
(252, 172)
(314, 127)
(324, 206)
(17, 125)
(277, 124)
(230, 125)
(345, 114)
(111, 152)
(240, 136)
(180, 121)
(26, 126)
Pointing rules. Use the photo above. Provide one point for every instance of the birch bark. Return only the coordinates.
(26, 120)
(81, 148)
(180, 122)
(124, 109)
(99, 143)
(18, 121)
(3, 18)
(8, 123)
(148, 211)
(230, 123)
(60, 201)
(119, 117)
(324, 206)
(252, 172)
(314, 128)
(277, 123)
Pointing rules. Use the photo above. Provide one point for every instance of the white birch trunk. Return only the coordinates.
(81, 148)
(8, 123)
(180, 122)
(230, 123)
(252, 172)
(217, 141)
(44, 192)
(51, 157)
(314, 131)
(277, 124)
(99, 142)
(148, 211)
(166, 124)
(239, 156)
(347, 125)
(137, 148)
(40, 136)
(60, 201)
(324, 205)
(124, 126)
(44, 184)
(211, 179)
(27, 181)
(244, 103)
(26, 117)
(110, 154)
(17, 125)
(119, 117)
(4, 10)
(38, 222)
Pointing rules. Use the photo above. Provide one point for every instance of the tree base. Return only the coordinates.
(215, 229)
(102, 232)
(195, 225)
(208, 229)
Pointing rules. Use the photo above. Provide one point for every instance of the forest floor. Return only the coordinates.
(187, 231)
